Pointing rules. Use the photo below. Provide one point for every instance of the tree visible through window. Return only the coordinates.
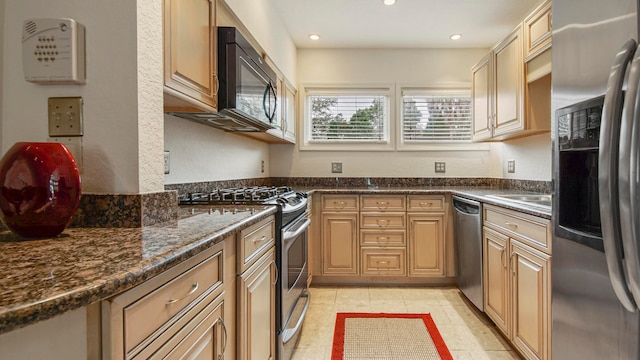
(436, 118)
(346, 118)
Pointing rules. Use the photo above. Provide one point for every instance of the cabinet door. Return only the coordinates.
(189, 51)
(508, 80)
(496, 278)
(426, 245)
(530, 297)
(537, 31)
(482, 98)
(340, 243)
(257, 327)
(289, 111)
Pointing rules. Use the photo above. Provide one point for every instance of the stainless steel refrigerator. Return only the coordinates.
(596, 142)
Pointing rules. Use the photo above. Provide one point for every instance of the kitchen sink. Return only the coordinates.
(540, 200)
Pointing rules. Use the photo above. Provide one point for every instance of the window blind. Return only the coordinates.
(432, 117)
(348, 117)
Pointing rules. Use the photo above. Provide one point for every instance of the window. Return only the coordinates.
(436, 116)
(340, 116)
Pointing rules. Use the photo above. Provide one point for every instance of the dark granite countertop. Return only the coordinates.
(470, 192)
(43, 278)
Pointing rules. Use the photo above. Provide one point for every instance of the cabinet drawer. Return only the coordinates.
(382, 203)
(340, 202)
(531, 229)
(425, 203)
(145, 316)
(254, 241)
(382, 220)
(383, 238)
(383, 261)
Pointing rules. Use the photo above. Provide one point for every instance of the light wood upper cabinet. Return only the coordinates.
(509, 85)
(482, 96)
(537, 31)
(189, 55)
(290, 112)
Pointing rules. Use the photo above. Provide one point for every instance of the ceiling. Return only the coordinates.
(407, 24)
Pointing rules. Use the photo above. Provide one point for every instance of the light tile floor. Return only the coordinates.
(467, 332)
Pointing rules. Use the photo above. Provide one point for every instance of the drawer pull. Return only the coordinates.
(383, 222)
(263, 238)
(193, 290)
(383, 262)
(382, 203)
(339, 203)
(511, 225)
(382, 238)
(427, 204)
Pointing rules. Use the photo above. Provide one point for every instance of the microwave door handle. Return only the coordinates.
(608, 175)
(627, 172)
(264, 101)
(275, 102)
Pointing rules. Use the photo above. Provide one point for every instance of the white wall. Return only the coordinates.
(202, 153)
(263, 21)
(532, 155)
(395, 66)
(122, 145)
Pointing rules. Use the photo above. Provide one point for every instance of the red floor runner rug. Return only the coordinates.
(388, 336)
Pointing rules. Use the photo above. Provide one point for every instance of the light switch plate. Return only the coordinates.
(167, 164)
(336, 167)
(440, 167)
(65, 116)
(511, 166)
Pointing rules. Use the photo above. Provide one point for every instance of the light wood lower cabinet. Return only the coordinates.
(185, 312)
(340, 243)
(256, 310)
(517, 276)
(382, 235)
(426, 245)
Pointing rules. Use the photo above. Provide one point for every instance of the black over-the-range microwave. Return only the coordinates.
(247, 91)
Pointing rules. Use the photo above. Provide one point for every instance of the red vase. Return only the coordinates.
(39, 189)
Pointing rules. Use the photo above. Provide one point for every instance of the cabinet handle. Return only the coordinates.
(383, 262)
(263, 238)
(511, 225)
(513, 267)
(193, 290)
(382, 203)
(504, 265)
(383, 238)
(340, 203)
(224, 340)
(427, 204)
(383, 221)
(277, 275)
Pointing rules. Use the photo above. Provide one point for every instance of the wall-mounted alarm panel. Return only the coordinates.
(53, 51)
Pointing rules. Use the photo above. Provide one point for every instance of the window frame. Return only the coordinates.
(388, 90)
(426, 145)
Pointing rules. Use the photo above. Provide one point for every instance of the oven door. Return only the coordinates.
(293, 284)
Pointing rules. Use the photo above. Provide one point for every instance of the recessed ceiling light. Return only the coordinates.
(455, 37)
(314, 36)
(389, 2)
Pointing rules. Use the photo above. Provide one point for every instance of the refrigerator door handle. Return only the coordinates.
(627, 173)
(608, 174)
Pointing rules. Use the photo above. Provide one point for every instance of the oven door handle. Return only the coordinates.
(288, 334)
(288, 235)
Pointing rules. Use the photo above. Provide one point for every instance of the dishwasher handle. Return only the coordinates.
(466, 206)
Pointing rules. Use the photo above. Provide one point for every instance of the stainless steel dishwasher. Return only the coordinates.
(467, 217)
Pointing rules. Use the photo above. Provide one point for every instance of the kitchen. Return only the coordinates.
(129, 106)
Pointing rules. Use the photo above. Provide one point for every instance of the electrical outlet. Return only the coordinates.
(167, 164)
(440, 167)
(336, 167)
(511, 166)
(65, 116)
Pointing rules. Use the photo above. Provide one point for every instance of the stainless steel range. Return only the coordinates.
(292, 223)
